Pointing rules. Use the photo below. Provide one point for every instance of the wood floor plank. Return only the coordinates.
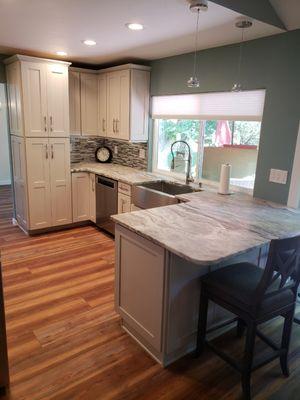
(65, 341)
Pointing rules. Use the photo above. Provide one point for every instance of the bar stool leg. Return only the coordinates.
(240, 329)
(202, 322)
(248, 359)
(285, 342)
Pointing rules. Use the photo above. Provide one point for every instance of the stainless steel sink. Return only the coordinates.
(158, 193)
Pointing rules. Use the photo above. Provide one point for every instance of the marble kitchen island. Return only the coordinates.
(161, 253)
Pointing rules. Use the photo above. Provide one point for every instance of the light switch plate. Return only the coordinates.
(142, 153)
(278, 176)
(115, 149)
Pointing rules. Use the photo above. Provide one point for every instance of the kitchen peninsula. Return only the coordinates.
(162, 252)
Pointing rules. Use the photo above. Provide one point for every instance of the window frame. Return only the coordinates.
(199, 164)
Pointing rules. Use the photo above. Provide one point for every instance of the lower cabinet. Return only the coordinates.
(83, 196)
(92, 179)
(48, 182)
(124, 203)
(19, 179)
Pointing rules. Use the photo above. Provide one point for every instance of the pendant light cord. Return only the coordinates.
(240, 56)
(196, 42)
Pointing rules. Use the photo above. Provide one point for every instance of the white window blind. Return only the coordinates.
(246, 105)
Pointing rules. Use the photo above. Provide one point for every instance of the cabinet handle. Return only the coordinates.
(114, 125)
(93, 185)
(51, 123)
(45, 123)
(117, 129)
(103, 124)
(52, 151)
(47, 154)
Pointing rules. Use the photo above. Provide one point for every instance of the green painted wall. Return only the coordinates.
(272, 63)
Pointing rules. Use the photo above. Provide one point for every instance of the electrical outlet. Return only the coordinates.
(278, 176)
(115, 149)
(142, 153)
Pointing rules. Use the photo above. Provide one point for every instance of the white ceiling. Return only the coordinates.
(288, 11)
(42, 27)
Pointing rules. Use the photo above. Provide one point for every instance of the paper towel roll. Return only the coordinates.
(225, 179)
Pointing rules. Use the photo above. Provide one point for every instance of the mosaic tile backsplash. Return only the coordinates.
(83, 149)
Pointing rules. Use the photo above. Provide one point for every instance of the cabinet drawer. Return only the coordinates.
(124, 188)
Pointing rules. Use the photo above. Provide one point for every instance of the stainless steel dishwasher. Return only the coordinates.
(106, 203)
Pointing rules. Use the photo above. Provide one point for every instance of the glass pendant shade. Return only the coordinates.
(193, 82)
(237, 87)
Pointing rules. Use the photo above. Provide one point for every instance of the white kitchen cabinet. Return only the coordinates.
(92, 179)
(13, 75)
(49, 186)
(38, 178)
(74, 103)
(114, 102)
(118, 97)
(34, 83)
(124, 203)
(81, 196)
(135, 208)
(139, 296)
(60, 181)
(38, 93)
(57, 100)
(102, 103)
(19, 178)
(89, 104)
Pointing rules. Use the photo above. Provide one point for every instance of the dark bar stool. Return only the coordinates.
(255, 296)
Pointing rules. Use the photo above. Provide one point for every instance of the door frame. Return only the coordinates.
(294, 192)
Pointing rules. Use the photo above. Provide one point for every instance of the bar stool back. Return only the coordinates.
(255, 296)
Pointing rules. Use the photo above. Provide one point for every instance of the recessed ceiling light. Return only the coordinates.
(89, 42)
(135, 26)
(61, 53)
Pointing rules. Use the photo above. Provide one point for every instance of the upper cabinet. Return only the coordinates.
(89, 104)
(74, 102)
(113, 103)
(38, 97)
(127, 104)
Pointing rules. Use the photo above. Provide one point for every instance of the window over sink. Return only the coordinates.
(213, 138)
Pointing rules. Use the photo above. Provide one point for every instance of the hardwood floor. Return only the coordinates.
(65, 340)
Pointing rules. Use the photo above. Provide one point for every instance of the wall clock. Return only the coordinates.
(104, 154)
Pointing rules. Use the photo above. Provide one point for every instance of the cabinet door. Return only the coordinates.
(139, 105)
(60, 177)
(13, 75)
(34, 98)
(81, 196)
(113, 101)
(58, 100)
(19, 176)
(89, 104)
(139, 286)
(74, 103)
(102, 91)
(92, 198)
(38, 181)
(122, 123)
(124, 203)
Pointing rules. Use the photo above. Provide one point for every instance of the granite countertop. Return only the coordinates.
(209, 228)
(129, 175)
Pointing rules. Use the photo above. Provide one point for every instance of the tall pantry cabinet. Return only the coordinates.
(38, 105)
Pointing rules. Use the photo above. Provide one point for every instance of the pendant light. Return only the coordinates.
(196, 7)
(242, 23)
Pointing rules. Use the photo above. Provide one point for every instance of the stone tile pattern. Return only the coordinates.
(83, 149)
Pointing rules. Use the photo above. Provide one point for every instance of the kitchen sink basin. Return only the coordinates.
(159, 193)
